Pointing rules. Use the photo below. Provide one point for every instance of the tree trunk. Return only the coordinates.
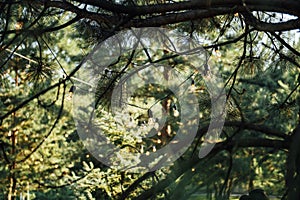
(293, 166)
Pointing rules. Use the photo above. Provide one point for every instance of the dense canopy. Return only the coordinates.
(253, 46)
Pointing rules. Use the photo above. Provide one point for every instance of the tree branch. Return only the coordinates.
(227, 145)
(290, 6)
(271, 27)
(155, 15)
(255, 127)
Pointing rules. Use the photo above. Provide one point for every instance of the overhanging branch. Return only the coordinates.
(170, 13)
(271, 27)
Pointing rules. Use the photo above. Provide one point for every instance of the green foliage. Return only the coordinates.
(43, 157)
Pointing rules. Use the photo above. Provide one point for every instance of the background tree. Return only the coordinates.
(254, 44)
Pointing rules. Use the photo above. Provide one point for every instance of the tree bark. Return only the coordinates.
(293, 166)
